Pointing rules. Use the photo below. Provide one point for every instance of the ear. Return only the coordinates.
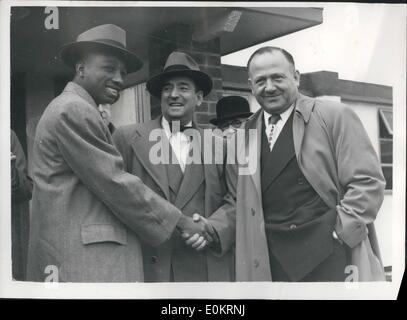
(250, 83)
(297, 77)
(79, 68)
(199, 97)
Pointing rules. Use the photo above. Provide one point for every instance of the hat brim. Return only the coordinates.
(71, 53)
(201, 79)
(216, 121)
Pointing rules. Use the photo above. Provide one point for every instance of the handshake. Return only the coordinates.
(197, 232)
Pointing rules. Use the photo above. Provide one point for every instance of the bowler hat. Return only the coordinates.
(180, 64)
(231, 107)
(104, 37)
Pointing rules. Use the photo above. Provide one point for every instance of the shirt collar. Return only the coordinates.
(284, 115)
(166, 126)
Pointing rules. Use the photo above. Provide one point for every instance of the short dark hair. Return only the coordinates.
(270, 49)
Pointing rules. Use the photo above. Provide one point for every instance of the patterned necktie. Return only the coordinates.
(274, 118)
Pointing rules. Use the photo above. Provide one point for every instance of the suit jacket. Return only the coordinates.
(137, 148)
(336, 157)
(88, 214)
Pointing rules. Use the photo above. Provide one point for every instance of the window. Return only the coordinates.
(386, 145)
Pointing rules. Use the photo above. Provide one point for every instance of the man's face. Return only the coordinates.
(273, 81)
(102, 76)
(179, 97)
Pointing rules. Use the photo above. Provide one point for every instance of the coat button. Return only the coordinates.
(256, 263)
(293, 227)
(253, 211)
(154, 259)
(301, 180)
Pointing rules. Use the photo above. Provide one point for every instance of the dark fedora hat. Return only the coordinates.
(231, 107)
(108, 37)
(180, 64)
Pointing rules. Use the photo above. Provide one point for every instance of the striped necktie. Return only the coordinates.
(273, 119)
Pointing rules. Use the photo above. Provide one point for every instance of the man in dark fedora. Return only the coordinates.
(193, 187)
(88, 214)
(231, 112)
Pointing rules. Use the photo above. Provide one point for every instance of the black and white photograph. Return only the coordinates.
(202, 150)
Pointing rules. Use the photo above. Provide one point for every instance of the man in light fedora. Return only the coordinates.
(193, 187)
(88, 214)
(231, 112)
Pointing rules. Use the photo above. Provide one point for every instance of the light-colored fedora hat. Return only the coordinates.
(106, 37)
(180, 64)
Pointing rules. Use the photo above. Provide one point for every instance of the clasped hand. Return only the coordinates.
(199, 234)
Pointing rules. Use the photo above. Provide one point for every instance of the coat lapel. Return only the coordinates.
(302, 113)
(142, 145)
(253, 142)
(193, 175)
(174, 172)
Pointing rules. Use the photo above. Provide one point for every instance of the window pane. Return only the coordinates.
(386, 118)
(388, 174)
(386, 148)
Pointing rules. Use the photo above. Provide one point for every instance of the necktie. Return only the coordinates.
(274, 118)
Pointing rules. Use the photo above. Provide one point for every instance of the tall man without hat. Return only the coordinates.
(307, 212)
(88, 214)
(195, 187)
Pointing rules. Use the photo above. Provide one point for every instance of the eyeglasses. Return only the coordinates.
(236, 123)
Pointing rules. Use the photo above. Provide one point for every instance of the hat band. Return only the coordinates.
(176, 67)
(109, 42)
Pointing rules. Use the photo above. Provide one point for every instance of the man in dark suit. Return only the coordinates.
(88, 214)
(180, 177)
(306, 209)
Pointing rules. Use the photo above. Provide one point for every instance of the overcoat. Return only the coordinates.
(138, 143)
(88, 214)
(337, 158)
(21, 191)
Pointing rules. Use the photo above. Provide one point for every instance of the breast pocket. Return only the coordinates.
(96, 233)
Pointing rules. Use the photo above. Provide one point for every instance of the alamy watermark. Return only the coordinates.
(209, 148)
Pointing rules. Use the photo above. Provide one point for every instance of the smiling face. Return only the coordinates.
(101, 75)
(273, 81)
(179, 97)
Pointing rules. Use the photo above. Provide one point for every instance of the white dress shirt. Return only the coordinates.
(179, 141)
(278, 126)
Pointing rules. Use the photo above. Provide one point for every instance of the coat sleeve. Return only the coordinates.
(82, 140)
(21, 186)
(360, 176)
